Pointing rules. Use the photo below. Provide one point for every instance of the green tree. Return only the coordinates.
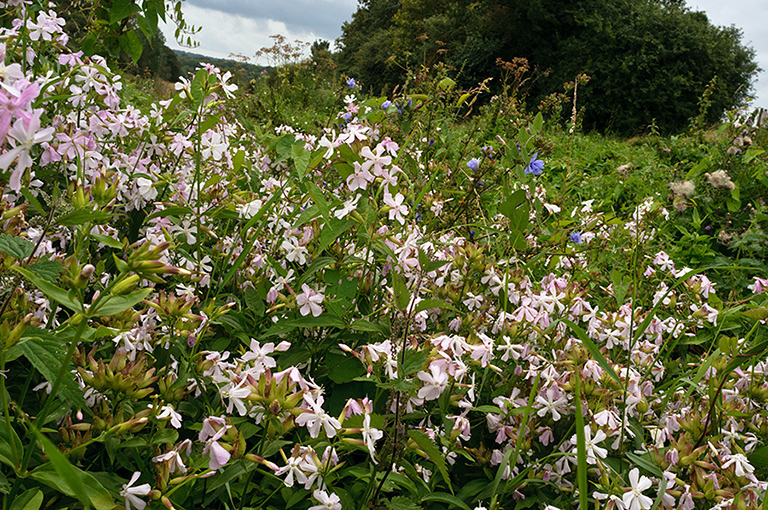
(366, 44)
(650, 60)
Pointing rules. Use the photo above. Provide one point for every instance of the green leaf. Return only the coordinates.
(121, 9)
(108, 241)
(414, 360)
(620, 286)
(402, 294)
(131, 44)
(646, 463)
(316, 266)
(170, 211)
(7, 444)
(702, 165)
(538, 123)
(488, 409)
(237, 160)
(323, 321)
(253, 301)
(116, 304)
(208, 123)
(48, 270)
(17, 247)
(45, 351)
(34, 202)
(52, 291)
(300, 157)
(590, 345)
(364, 325)
(332, 231)
(70, 480)
(444, 497)
(426, 444)
(759, 457)
(31, 499)
(319, 200)
(82, 216)
(402, 503)
(426, 304)
(343, 369)
(196, 88)
(284, 146)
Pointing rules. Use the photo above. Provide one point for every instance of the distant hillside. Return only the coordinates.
(244, 71)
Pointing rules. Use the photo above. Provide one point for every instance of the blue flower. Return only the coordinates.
(576, 237)
(535, 166)
(386, 104)
(474, 164)
(351, 83)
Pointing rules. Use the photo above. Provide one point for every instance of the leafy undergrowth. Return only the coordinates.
(390, 313)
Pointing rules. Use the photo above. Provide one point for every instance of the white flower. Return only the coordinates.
(370, 435)
(435, 382)
(167, 411)
(740, 463)
(333, 502)
(397, 209)
(131, 493)
(593, 451)
(317, 418)
(634, 499)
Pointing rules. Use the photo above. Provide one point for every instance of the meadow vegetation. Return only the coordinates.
(295, 294)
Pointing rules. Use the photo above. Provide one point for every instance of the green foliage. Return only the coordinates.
(650, 61)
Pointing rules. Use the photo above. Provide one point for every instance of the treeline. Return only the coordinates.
(650, 61)
(244, 71)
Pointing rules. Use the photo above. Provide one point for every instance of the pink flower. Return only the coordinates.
(309, 301)
(25, 133)
(759, 285)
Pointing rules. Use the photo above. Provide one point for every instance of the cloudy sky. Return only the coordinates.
(244, 26)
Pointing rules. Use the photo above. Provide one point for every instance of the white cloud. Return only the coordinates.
(224, 34)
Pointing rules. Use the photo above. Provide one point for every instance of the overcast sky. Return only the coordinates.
(244, 26)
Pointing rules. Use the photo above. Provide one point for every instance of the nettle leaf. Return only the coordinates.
(17, 247)
(45, 351)
(414, 360)
(48, 270)
(429, 447)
